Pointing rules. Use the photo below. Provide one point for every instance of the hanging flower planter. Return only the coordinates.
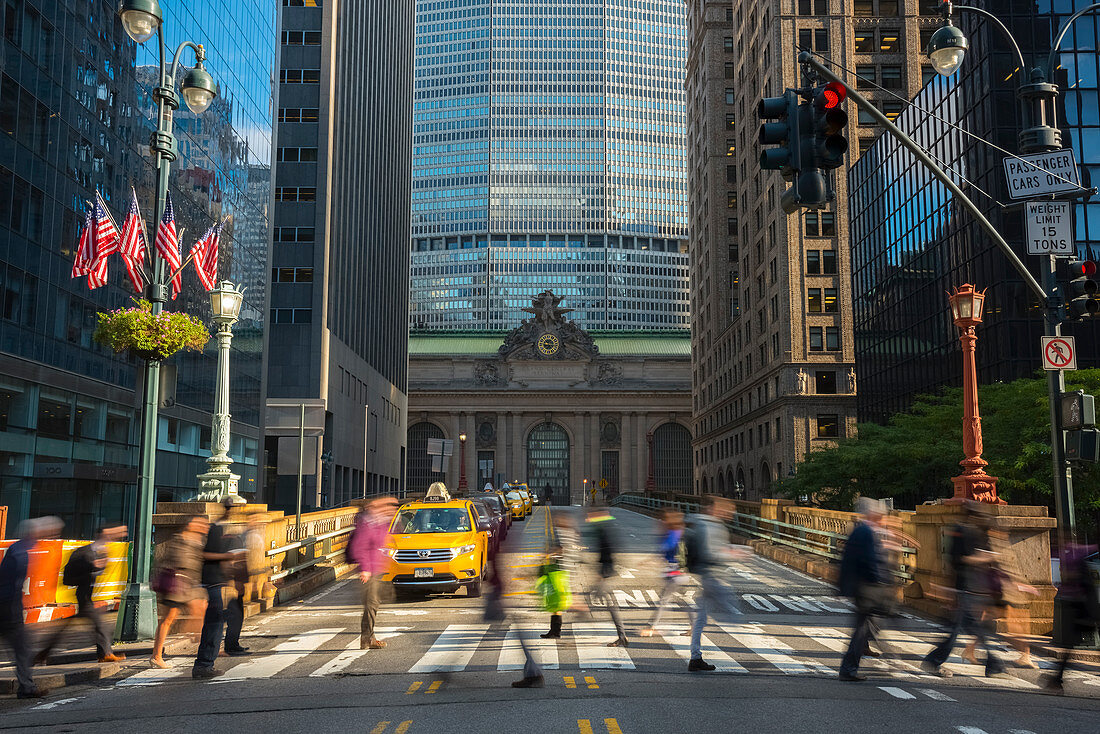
(156, 338)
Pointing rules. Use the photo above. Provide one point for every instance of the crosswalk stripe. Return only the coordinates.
(281, 657)
(511, 652)
(452, 650)
(342, 661)
(898, 693)
(711, 653)
(770, 649)
(592, 649)
(155, 676)
(935, 695)
(913, 646)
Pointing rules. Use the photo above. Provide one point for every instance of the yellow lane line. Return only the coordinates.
(519, 593)
(585, 726)
(412, 689)
(380, 728)
(591, 681)
(612, 726)
(403, 727)
(570, 682)
(434, 686)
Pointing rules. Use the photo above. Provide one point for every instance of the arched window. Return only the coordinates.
(420, 471)
(548, 462)
(765, 476)
(672, 458)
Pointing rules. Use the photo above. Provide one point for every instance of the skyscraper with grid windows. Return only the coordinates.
(548, 152)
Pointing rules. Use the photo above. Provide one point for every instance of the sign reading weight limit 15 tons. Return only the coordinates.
(1050, 228)
(1041, 174)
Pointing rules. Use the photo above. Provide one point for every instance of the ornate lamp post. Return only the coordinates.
(462, 462)
(219, 481)
(651, 474)
(973, 483)
(141, 19)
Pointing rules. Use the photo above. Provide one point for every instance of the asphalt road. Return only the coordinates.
(445, 670)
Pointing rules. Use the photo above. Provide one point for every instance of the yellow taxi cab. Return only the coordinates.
(526, 494)
(516, 504)
(437, 544)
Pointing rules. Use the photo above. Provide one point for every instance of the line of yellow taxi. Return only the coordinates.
(519, 500)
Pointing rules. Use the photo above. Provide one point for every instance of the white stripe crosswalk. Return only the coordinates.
(733, 648)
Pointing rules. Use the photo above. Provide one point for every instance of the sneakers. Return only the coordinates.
(204, 673)
(532, 682)
(621, 642)
(933, 669)
(32, 693)
(114, 657)
(698, 664)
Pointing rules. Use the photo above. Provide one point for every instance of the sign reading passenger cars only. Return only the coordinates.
(1034, 175)
(1059, 353)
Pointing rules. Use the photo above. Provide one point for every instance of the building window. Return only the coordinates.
(727, 44)
(294, 234)
(892, 109)
(301, 38)
(302, 3)
(731, 97)
(926, 37)
(731, 226)
(820, 7)
(300, 76)
(828, 224)
(828, 262)
(825, 382)
(927, 74)
(813, 300)
(729, 70)
(295, 193)
(292, 275)
(831, 305)
(730, 121)
(891, 77)
(867, 76)
(832, 338)
(300, 114)
(863, 8)
(864, 41)
(296, 155)
(864, 117)
(828, 425)
(813, 262)
(889, 40)
(816, 339)
(731, 145)
(821, 40)
(810, 224)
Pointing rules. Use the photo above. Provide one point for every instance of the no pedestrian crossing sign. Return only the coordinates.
(1059, 353)
(1040, 174)
(1050, 228)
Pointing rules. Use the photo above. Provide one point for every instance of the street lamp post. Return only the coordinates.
(462, 462)
(973, 483)
(141, 19)
(219, 482)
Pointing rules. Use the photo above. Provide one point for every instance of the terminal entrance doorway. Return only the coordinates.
(548, 462)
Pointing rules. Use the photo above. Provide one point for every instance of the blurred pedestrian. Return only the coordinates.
(707, 549)
(602, 538)
(84, 565)
(236, 576)
(365, 549)
(13, 577)
(558, 571)
(971, 561)
(217, 551)
(259, 567)
(864, 580)
(1010, 598)
(177, 582)
(1080, 597)
(672, 552)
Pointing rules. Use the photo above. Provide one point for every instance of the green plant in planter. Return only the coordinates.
(138, 331)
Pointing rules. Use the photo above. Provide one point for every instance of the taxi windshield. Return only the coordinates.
(514, 496)
(432, 520)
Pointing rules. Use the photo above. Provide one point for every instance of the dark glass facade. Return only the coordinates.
(911, 241)
(339, 304)
(76, 112)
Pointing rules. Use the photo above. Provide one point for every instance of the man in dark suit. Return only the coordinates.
(862, 578)
(13, 576)
(84, 565)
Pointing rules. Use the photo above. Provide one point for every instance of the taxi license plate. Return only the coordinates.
(423, 573)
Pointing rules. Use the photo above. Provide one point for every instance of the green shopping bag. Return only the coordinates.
(553, 588)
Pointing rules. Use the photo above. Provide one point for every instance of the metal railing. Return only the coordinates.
(821, 543)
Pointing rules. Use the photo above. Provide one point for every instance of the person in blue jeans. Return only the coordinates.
(217, 551)
(675, 574)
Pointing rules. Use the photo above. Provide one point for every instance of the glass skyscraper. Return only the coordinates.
(76, 113)
(548, 152)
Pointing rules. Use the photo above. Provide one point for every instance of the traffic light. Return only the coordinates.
(1078, 411)
(829, 124)
(782, 131)
(1079, 293)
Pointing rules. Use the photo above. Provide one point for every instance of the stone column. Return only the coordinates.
(641, 450)
(501, 454)
(454, 427)
(594, 445)
(517, 456)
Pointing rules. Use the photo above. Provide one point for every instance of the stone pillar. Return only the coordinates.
(574, 426)
(501, 453)
(593, 421)
(517, 455)
(641, 451)
(454, 427)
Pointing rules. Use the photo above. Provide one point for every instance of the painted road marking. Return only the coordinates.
(612, 726)
(592, 649)
(771, 649)
(414, 687)
(591, 681)
(452, 650)
(511, 652)
(934, 694)
(155, 676)
(673, 635)
(434, 686)
(898, 693)
(281, 657)
(584, 726)
(344, 660)
(570, 681)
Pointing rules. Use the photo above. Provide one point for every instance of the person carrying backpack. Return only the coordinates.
(707, 549)
(672, 551)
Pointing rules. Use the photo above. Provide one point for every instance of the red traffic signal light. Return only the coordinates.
(1081, 268)
(831, 96)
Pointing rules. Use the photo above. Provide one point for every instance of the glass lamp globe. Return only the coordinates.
(946, 49)
(140, 18)
(199, 89)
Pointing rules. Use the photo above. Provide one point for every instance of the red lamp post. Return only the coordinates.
(462, 462)
(651, 475)
(973, 483)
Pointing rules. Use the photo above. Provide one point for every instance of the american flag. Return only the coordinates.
(105, 242)
(205, 254)
(82, 263)
(168, 245)
(133, 244)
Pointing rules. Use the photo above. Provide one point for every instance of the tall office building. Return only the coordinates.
(549, 153)
(338, 334)
(912, 242)
(76, 113)
(773, 356)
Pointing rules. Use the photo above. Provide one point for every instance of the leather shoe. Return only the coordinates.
(114, 657)
(533, 682)
(201, 673)
(699, 664)
(852, 678)
(238, 653)
(33, 693)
